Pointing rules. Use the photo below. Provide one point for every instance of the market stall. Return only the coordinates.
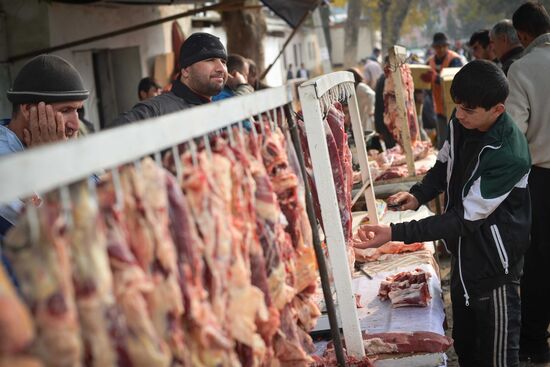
(210, 262)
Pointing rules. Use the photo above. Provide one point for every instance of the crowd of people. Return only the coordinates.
(493, 163)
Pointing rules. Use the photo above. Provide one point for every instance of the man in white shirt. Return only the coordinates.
(528, 105)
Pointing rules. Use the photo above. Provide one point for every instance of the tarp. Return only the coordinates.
(292, 11)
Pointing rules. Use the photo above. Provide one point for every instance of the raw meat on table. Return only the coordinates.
(400, 343)
(406, 289)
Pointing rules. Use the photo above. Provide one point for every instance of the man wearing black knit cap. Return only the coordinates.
(46, 95)
(203, 74)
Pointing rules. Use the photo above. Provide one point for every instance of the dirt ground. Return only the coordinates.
(445, 268)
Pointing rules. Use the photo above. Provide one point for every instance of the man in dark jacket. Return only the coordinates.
(203, 75)
(506, 43)
(483, 169)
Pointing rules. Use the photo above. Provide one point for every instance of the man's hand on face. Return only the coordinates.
(45, 126)
(235, 79)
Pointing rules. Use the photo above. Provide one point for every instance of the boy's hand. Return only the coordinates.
(377, 235)
(402, 201)
(45, 126)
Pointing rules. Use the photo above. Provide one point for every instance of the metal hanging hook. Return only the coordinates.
(66, 205)
(230, 136)
(271, 119)
(118, 189)
(262, 126)
(92, 190)
(34, 223)
(240, 124)
(194, 155)
(137, 165)
(207, 146)
(158, 158)
(254, 132)
(177, 163)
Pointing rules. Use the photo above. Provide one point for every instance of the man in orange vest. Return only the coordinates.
(443, 58)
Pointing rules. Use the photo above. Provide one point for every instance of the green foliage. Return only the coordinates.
(474, 15)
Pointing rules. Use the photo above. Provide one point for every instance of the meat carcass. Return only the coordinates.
(146, 212)
(16, 324)
(131, 286)
(103, 326)
(43, 268)
(406, 289)
(373, 254)
(340, 160)
(413, 342)
(391, 115)
(285, 184)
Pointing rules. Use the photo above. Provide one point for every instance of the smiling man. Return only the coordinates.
(483, 169)
(46, 95)
(203, 74)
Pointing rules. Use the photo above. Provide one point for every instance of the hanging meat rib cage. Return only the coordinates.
(317, 96)
(214, 266)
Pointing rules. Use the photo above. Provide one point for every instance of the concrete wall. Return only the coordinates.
(35, 25)
(366, 42)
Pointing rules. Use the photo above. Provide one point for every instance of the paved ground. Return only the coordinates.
(445, 277)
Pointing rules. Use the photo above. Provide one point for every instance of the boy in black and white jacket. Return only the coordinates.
(483, 169)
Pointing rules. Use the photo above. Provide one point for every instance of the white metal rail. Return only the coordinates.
(311, 94)
(44, 168)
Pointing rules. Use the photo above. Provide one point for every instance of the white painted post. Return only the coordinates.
(361, 146)
(334, 233)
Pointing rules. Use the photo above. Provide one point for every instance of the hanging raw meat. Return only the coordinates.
(131, 286)
(340, 159)
(391, 115)
(146, 214)
(202, 328)
(103, 326)
(38, 250)
(16, 324)
(285, 185)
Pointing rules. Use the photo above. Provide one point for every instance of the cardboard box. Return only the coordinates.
(416, 71)
(447, 76)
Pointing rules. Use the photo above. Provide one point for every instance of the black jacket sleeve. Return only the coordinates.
(140, 111)
(433, 184)
(450, 224)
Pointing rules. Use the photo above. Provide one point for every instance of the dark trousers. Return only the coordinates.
(442, 130)
(535, 283)
(486, 333)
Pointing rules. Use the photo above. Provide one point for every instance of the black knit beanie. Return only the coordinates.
(49, 79)
(201, 46)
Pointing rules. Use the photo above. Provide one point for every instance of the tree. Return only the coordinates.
(452, 27)
(245, 30)
(393, 17)
(476, 15)
(352, 32)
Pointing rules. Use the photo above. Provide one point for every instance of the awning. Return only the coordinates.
(291, 11)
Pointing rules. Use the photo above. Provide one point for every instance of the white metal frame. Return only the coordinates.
(41, 169)
(311, 93)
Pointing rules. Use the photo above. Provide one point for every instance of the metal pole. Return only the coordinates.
(325, 282)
